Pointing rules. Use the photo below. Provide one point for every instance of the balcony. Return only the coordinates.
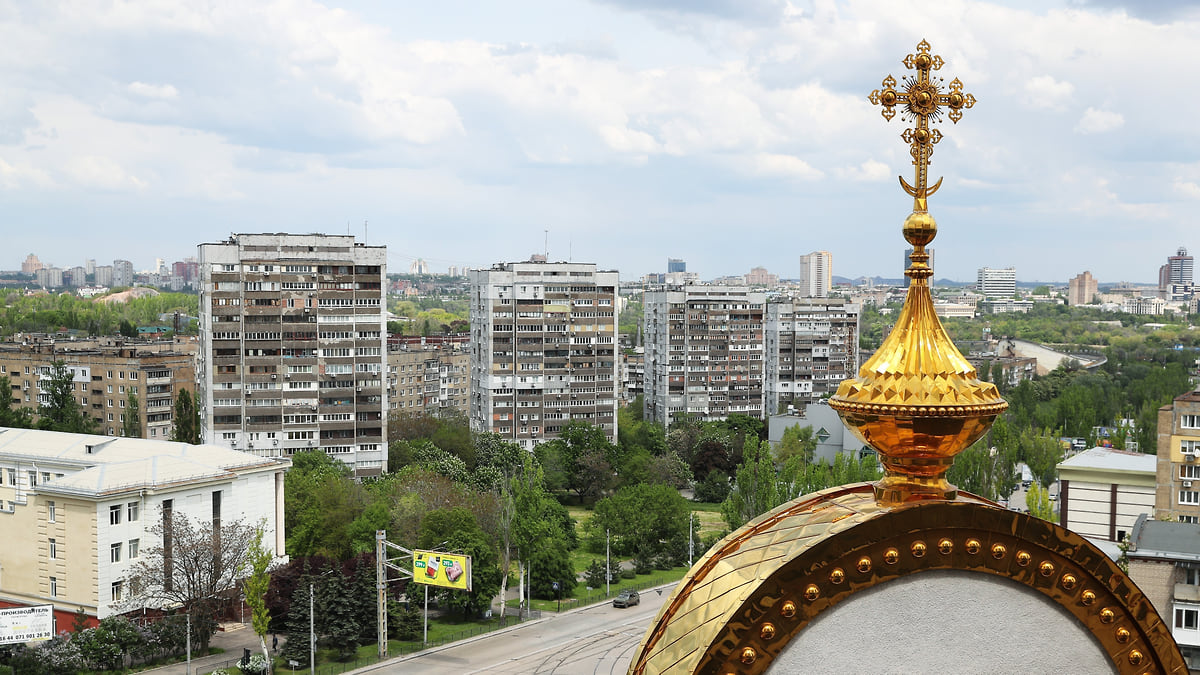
(1187, 593)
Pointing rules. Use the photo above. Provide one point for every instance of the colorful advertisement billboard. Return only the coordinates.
(447, 570)
(26, 624)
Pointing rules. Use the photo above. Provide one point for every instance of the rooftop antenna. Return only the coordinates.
(364, 231)
(546, 245)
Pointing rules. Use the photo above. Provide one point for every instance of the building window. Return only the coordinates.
(54, 587)
(1191, 576)
(53, 549)
(1187, 618)
(12, 477)
(51, 512)
(32, 478)
(114, 515)
(1189, 421)
(117, 588)
(114, 553)
(45, 477)
(1189, 519)
(134, 545)
(133, 512)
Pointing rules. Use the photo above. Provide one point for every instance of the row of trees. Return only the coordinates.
(39, 313)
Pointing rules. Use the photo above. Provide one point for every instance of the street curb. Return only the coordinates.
(433, 650)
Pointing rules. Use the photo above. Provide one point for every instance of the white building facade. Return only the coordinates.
(84, 507)
(293, 347)
(543, 349)
(996, 283)
(816, 274)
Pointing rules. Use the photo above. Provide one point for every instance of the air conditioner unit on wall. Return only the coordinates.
(1189, 457)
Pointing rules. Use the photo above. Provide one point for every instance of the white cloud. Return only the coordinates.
(1186, 188)
(1048, 93)
(90, 171)
(1099, 122)
(869, 171)
(783, 166)
(160, 91)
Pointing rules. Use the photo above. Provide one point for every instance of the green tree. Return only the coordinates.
(639, 518)
(1037, 500)
(61, 411)
(255, 587)
(756, 486)
(11, 416)
(185, 428)
(797, 441)
(131, 425)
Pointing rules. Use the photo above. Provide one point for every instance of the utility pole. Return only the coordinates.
(312, 633)
(607, 565)
(691, 540)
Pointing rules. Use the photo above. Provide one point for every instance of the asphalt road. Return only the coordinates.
(591, 640)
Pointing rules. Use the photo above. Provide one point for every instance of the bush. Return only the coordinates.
(256, 666)
(628, 574)
(713, 489)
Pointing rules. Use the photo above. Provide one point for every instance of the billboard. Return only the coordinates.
(26, 624)
(447, 570)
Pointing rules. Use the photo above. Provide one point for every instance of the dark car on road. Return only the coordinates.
(626, 598)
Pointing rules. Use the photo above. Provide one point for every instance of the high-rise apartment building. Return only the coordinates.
(122, 273)
(676, 265)
(1081, 289)
(704, 352)
(105, 372)
(543, 349)
(816, 274)
(1178, 452)
(996, 283)
(31, 264)
(293, 347)
(811, 346)
(103, 275)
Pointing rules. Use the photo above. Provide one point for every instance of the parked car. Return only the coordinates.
(626, 598)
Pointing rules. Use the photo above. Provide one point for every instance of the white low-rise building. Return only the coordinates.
(78, 510)
(1102, 492)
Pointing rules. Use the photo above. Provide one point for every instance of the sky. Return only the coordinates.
(729, 133)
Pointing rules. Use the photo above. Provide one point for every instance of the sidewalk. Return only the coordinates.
(232, 641)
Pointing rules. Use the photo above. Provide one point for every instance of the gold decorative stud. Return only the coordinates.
(1122, 635)
(973, 546)
(837, 576)
(945, 546)
(1135, 657)
(1046, 568)
(918, 549)
(749, 655)
(891, 556)
(1087, 597)
(864, 564)
(767, 632)
(1107, 615)
(787, 609)
(812, 592)
(1069, 582)
(998, 551)
(1023, 558)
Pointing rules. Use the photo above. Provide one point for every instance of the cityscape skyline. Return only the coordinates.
(605, 131)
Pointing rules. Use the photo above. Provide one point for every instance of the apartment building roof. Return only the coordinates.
(111, 466)
(1111, 459)
(1165, 539)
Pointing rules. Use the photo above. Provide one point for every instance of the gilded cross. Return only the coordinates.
(921, 99)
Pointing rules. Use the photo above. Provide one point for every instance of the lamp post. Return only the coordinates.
(189, 641)
(312, 634)
(607, 565)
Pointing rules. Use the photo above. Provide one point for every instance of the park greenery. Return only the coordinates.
(429, 315)
(46, 313)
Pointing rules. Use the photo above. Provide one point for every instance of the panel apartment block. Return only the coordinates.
(105, 373)
(811, 346)
(704, 352)
(429, 377)
(543, 349)
(1178, 460)
(293, 347)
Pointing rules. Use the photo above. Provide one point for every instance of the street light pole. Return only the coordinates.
(189, 641)
(312, 634)
(607, 565)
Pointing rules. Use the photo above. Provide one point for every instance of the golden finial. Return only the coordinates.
(917, 401)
